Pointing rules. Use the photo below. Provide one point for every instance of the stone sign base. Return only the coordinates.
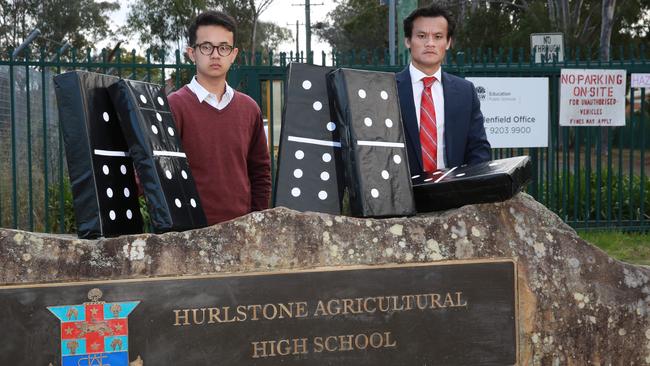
(576, 305)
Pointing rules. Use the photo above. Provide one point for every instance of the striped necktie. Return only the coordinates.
(428, 131)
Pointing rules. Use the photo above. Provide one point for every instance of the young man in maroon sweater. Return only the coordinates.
(221, 129)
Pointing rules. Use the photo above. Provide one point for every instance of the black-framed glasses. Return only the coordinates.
(208, 48)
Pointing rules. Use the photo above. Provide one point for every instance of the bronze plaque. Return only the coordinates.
(450, 313)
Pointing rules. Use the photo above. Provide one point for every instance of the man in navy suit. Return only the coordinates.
(446, 106)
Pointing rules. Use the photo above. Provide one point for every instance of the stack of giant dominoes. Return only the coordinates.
(361, 138)
(108, 125)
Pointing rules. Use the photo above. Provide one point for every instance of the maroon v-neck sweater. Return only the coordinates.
(227, 153)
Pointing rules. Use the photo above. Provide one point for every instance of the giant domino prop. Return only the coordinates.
(372, 136)
(155, 146)
(310, 175)
(491, 181)
(100, 168)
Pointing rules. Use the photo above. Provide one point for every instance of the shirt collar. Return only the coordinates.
(202, 93)
(417, 75)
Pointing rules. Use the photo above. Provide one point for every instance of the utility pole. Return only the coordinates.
(298, 24)
(391, 31)
(307, 6)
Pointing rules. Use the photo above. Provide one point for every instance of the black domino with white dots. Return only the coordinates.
(490, 181)
(162, 166)
(374, 152)
(310, 175)
(106, 200)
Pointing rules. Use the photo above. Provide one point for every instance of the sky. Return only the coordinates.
(281, 12)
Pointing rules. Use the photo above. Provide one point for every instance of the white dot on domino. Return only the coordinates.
(168, 174)
(460, 175)
(154, 129)
(397, 159)
(184, 174)
(322, 195)
(374, 193)
(295, 192)
(193, 202)
(105, 169)
(362, 94)
(367, 121)
(143, 99)
(109, 192)
(306, 84)
(297, 173)
(127, 193)
(318, 106)
(384, 95)
(331, 126)
(123, 169)
(389, 122)
(299, 154)
(178, 203)
(158, 117)
(112, 215)
(106, 116)
(327, 157)
(160, 101)
(129, 214)
(170, 131)
(384, 174)
(325, 176)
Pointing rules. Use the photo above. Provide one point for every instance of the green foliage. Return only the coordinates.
(80, 22)
(69, 222)
(55, 205)
(269, 36)
(509, 24)
(356, 24)
(628, 247)
(146, 218)
(130, 65)
(625, 197)
(164, 23)
(159, 23)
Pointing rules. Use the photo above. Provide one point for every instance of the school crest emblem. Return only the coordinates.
(94, 333)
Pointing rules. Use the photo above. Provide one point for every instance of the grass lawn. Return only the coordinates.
(628, 247)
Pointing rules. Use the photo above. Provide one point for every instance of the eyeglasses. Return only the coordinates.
(208, 48)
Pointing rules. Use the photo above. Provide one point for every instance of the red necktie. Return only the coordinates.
(428, 131)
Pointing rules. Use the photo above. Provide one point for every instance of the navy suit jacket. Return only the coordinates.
(465, 140)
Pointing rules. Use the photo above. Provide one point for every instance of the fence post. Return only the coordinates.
(46, 197)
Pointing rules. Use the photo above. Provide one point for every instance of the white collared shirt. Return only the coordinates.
(205, 96)
(438, 104)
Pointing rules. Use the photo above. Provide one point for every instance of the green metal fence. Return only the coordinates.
(592, 177)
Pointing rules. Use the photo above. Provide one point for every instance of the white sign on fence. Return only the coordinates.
(640, 81)
(547, 47)
(590, 97)
(515, 110)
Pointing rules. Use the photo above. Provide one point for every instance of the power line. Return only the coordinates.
(307, 6)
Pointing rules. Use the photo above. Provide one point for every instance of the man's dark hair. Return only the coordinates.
(431, 11)
(212, 17)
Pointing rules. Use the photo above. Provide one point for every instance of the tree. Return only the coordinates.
(164, 23)
(356, 24)
(606, 28)
(160, 23)
(80, 22)
(257, 9)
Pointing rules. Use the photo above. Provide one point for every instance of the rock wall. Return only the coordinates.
(577, 306)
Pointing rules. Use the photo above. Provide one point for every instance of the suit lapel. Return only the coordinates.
(409, 118)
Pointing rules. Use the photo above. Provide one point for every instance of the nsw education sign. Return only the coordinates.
(592, 97)
(515, 110)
